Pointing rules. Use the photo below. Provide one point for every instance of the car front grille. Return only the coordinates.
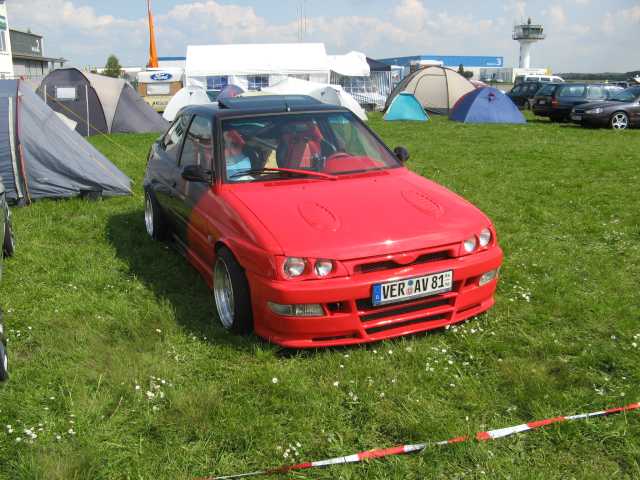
(382, 264)
(386, 317)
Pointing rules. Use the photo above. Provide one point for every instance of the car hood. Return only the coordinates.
(359, 216)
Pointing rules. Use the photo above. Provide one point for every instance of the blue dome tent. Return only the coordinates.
(486, 105)
(406, 107)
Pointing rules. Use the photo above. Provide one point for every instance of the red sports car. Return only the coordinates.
(309, 230)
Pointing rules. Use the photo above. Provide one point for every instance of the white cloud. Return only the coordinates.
(74, 30)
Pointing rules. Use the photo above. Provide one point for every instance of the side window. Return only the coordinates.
(198, 145)
(596, 92)
(173, 137)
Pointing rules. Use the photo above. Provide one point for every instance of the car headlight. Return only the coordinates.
(294, 267)
(470, 244)
(595, 110)
(323, 267)
(485, 237)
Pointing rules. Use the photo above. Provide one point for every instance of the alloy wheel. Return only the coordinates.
(223, 293)
(148, 215)
(619, 121)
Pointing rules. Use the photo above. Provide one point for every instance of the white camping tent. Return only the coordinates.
(253, 66)
(332, 94)
(184, 97)
(352, 64)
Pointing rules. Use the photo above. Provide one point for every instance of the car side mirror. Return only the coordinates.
(401, 153)
(195, 173)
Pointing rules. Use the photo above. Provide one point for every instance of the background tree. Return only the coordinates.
(463, 72)
(113, 67)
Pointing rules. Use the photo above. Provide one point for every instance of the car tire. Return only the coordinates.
(154, 220)
(9, 242)
(231, 294)
(619, 121)
(4, 361)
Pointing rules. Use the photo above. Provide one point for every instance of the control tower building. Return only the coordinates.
(527, 34)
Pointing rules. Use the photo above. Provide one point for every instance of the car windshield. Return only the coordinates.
(311, 145)
(628, 95)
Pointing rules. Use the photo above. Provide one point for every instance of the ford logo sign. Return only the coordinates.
(161, 76)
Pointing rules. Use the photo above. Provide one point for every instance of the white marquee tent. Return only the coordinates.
(238, 62)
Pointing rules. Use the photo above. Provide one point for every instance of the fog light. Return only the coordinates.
(308, 310)
(470, 244)
(294, 267)
(323, 267)
(487, 277)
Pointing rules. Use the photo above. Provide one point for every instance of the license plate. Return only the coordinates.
(577, 118)
(409, 288)
(542, 102)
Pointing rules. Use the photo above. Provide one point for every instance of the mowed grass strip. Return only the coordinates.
(119, 370)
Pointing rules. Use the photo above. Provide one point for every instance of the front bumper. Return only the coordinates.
(591, 119)
(350, 318)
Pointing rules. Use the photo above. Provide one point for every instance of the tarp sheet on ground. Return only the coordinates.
(331, 94)
(406, 107)
(436, 88)
(40, 157)
(486, 105)
(184, 96)
(99, 104)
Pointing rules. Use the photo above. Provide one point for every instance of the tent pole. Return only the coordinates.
(44, 93)
(86, 96)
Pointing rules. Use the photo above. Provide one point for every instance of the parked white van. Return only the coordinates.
(538, 78)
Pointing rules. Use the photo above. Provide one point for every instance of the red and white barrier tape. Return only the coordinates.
(402, 449)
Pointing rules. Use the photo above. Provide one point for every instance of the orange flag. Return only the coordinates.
(153, 53)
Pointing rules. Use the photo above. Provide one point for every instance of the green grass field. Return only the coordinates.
(119, 370)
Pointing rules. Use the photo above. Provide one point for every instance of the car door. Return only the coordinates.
(167, 171)
(196, 198)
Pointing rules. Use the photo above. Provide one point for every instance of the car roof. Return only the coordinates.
(261, 104)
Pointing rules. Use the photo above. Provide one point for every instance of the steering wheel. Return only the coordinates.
(337, 155)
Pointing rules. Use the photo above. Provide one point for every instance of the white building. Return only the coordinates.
(6, 61)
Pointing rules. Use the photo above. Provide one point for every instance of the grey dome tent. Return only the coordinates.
(436, 88)
(99, 104)
(41, 157)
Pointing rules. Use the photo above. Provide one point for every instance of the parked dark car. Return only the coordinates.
(542, 101)
(8, 244)
(522, 92)
(571, 95)
(621, 111)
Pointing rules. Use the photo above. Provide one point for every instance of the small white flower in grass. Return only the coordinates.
(409, 349)
(71, 431)
(286, 454)
(155, 408)
(137, 387)
(375, 352)
(274, 380)
(46, 408)
(634, 345)
(390, 352)
(18, 439)
(158, 330)
(341, 366)
(452, 385)
(381, 394)
(150, 395)
(335, 384)
(58, 437)
(298, 444)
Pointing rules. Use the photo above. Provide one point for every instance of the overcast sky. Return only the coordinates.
(582, 35)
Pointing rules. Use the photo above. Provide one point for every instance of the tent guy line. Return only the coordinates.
(404, 449)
